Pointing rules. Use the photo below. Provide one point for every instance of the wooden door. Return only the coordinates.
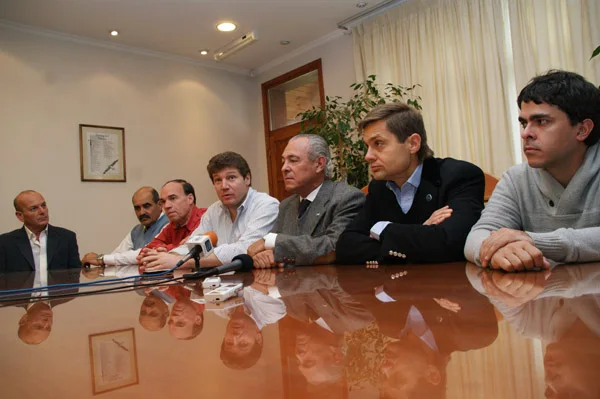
(283, 98)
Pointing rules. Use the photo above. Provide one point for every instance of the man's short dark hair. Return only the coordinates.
(236, 362)
(187, 187)
(402, 120)
(228, 159)
(571, 93)
(156, 196)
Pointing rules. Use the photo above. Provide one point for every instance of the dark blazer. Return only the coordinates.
(302, 240)
(61, 250)
(445, 181)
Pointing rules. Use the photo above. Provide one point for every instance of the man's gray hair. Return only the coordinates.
(318, 147)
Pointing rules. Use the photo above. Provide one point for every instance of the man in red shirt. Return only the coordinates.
(178, 200)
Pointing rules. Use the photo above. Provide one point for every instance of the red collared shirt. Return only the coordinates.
(171, 236)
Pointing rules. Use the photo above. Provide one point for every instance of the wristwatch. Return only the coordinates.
(100, 259)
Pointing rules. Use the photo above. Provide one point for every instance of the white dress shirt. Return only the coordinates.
(255, 217)
(38, 248)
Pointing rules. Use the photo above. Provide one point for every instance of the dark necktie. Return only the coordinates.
(302, 207)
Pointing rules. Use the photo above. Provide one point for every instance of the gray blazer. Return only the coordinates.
(316, 233)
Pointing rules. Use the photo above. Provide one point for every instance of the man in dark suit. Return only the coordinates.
(310, 221)
(37, 245)
(419, 209)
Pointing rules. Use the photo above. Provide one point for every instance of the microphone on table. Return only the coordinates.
(199, 246)
(241, 262)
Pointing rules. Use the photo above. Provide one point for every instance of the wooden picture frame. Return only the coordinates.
(113, 360)
(102, 153)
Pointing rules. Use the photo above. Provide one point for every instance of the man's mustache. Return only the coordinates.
(141, 218)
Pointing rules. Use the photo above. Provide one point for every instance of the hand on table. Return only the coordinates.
(499, 239)
(256, 247)
(159, 259)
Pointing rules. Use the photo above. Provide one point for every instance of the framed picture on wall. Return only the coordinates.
(102, 153)
(113, 360)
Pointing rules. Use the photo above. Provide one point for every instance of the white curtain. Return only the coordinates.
(471, 58)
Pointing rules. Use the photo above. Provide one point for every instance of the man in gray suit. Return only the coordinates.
(310, 221)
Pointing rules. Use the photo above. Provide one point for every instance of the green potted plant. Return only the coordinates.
(337, 123)
(596, 52)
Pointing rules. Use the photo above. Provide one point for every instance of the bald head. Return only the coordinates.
(31, 209)
(146, 205)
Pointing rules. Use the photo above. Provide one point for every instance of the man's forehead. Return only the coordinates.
(31, 199)
(227, 172)
(296, 148)
(530, 108)
(142, 198)
(171, 188)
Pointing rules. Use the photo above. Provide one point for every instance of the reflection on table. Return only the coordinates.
(420, 331)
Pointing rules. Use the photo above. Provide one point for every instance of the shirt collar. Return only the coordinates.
(313, 194)
(31, 235)
(414, 179)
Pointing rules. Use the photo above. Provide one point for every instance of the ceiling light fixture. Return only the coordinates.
(354, 20)
(361, 4)
(284, 42)
(235, 45)
(204, 51)
(114, 33)
(226, 26)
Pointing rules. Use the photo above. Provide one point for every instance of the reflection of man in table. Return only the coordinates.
(36, 324)
(154, 312)
(425, 317)
(243, 341)
(187, 315)
(561, 308)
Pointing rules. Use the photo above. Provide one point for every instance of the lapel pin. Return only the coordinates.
(428, 197)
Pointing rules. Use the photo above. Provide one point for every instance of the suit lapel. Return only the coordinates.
(25, 247)
(317, 209)
(291, 215)
(51, 244)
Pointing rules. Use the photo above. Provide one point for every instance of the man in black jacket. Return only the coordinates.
(37, 245)
(419, 208)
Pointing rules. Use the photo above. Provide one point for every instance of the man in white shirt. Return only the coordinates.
(146, 204)
(37, 245)
(311, 220)
(240, 216)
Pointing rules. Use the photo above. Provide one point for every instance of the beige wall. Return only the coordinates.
(175, 116)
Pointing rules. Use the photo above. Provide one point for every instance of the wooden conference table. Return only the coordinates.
(448, 330)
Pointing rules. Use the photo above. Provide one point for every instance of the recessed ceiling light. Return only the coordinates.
(114, 33)
(204, 51)
(226, 26)
(361, 4)
(284, 42)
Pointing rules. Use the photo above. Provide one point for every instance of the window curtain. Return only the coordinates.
(471, 58)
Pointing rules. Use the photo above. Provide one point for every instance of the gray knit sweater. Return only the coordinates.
(563, 222)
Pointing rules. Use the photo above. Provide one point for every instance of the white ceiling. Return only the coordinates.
(182, 27)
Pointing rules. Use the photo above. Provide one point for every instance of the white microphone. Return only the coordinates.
(199, 245)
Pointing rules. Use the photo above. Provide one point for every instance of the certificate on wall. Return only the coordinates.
(102, 153)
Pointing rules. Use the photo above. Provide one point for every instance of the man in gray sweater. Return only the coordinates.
(548, 209)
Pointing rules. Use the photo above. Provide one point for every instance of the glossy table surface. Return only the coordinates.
(423, 331)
